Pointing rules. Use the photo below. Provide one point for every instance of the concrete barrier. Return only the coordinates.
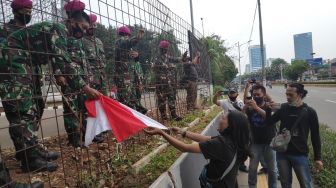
(187, 168)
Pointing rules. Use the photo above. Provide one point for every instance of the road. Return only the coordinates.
(322, 99)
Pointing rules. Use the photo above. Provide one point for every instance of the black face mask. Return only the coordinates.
(259, 100)
(233, 99)
(77, 32)
(23, 18)
(90, 31)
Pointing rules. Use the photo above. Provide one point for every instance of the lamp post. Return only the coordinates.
(192, 18)
(202, 26)
(239, 57)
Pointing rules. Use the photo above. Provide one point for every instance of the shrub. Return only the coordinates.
(327, 177)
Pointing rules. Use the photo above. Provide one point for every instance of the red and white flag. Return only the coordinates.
(108, 114)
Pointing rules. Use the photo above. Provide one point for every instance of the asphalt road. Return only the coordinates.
(322, 99)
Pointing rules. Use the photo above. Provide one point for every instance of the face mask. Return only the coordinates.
(233, 99)
(24, 18)
(259, 100)
(90, 31)
(77, 32)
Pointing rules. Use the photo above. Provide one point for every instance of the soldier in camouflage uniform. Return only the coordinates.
(124, 61)
(21, 57)
(73, 101)
(165, 75)
(94, 51)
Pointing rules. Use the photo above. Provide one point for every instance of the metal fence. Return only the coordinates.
(77, 167)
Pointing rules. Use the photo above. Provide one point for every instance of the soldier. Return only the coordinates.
(94, 51)
(165, 76)
(21, 57)
(124, 61)
(73, 101)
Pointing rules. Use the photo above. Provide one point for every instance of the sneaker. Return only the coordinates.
(243, 168)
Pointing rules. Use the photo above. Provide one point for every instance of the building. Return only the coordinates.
(247, 69)
(303, 46)
(255, 57)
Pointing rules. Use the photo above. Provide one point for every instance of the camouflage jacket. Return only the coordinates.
(165, 69)
(42, 43)
(7, 29)
(122, 53)
(94, 51)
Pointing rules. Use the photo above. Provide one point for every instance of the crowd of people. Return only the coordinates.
(76, 59)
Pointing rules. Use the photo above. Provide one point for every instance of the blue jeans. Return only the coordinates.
(300, 164)
(259, 151)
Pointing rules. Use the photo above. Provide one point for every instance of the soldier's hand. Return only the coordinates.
(184, 56)
(141, 33)
(91, 93)
(61, 81)
(134, 54)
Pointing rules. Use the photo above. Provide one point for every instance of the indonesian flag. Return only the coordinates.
(108, 114)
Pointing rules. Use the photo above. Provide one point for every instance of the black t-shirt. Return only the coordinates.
(309, 123)
(261, 132)
(220, 150)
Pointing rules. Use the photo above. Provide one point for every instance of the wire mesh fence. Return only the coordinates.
(43, 69)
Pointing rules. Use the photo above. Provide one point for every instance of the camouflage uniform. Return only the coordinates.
(165, 76)
(94, 51)
(74, 101)
(9, 28)
(125, 74)
(21, 58)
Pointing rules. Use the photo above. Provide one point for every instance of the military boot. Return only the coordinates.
(6, 181)
(34, 162)
(73, 139)
(175, 116)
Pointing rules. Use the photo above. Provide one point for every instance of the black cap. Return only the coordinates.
(231, 90)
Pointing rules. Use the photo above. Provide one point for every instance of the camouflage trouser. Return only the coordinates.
(23, 106)
(73, 104)
(166, 92)
(127, 93)
(191, 94)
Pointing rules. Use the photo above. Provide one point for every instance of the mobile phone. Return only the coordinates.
(249, 98)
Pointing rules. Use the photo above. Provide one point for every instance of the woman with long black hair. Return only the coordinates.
(224, 151)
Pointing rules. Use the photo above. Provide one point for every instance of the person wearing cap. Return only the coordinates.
(164, 68)
(73, 100)
(257, 112)
(22, 10)
(232, 103)
(44, 43)
(95, 54)
(124, 61)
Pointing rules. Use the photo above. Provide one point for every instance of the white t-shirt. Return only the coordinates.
(227, 105)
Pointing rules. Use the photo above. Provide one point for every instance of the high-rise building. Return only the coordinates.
(303, 46)
(255, 57)
(247, 69)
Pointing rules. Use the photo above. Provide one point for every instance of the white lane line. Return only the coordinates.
(330, 101)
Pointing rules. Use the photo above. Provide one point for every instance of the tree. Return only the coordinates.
(222, 66)
(296, 69)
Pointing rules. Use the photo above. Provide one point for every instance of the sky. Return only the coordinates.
(232, 20)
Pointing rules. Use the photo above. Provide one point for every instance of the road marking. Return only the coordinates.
(330, 101)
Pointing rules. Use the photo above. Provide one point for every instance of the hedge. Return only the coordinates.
(326, 177)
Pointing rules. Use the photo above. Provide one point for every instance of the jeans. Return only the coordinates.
(259, 150)
(300, 164)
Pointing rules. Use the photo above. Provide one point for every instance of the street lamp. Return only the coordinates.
(202, 26)
(239, 45)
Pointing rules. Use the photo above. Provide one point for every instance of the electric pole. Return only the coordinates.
(262, 45)
(192, 18)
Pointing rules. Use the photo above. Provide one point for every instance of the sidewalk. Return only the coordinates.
(262, 180)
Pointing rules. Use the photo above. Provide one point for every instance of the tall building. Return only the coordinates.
(247, 69)
(303, 46)
(255, 57)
